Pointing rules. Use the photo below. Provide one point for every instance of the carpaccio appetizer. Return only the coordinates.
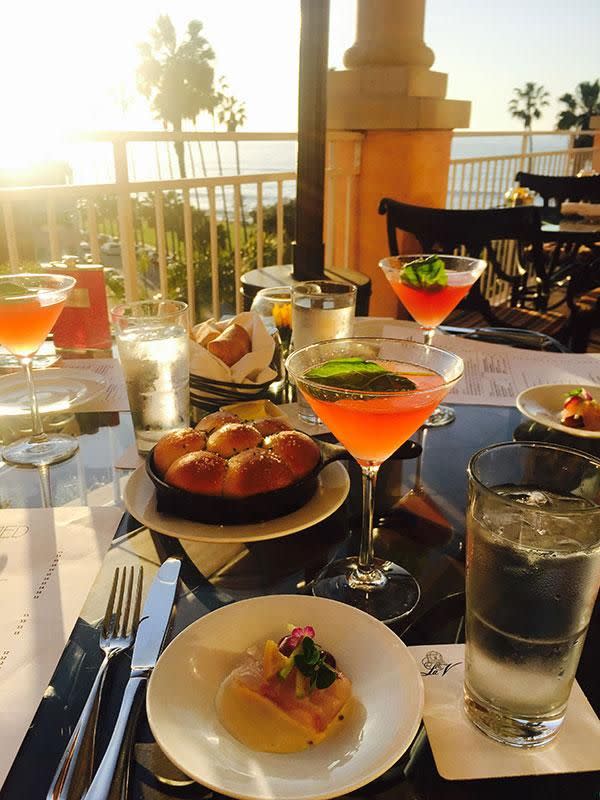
(286, 696)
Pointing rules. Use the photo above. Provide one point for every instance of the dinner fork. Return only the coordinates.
(117, 633)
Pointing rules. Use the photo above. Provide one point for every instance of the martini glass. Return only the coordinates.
(429, 306)
(30, 304)
(372, 425)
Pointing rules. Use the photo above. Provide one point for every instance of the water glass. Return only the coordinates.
(153, 343)
(321, 310)
(533, 569)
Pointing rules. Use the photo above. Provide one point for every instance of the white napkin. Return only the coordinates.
(251, 368)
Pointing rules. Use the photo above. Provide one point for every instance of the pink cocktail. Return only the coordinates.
(430, 287)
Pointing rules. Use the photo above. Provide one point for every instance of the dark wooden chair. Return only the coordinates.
(555, 189)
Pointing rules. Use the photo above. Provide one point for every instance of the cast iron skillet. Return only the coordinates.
(235, 511)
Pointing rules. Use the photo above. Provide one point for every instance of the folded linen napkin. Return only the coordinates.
(254, 367)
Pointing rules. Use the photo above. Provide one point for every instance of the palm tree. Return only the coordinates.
(231, 112)
(177, 78)
(527, 105)
(580, 107)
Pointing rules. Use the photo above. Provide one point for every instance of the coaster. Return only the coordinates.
(462, 752)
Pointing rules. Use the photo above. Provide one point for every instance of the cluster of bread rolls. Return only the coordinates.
(224, 456)
(230, 345)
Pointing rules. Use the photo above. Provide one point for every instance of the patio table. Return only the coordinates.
(423, 530)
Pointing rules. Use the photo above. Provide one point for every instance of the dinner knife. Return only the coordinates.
(149, 641)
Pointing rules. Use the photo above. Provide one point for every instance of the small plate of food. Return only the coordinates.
(570, 409)
(285, 696)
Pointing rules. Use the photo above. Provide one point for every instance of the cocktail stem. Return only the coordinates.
(428, 335)
(37, 429)
(366, 575)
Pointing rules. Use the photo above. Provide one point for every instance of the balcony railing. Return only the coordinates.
(133, 172)
(128, 188)
(482, 181)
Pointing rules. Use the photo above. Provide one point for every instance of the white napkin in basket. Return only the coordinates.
(254, 367)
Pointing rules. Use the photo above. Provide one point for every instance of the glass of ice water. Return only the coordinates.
(321, 310)
(533, 570)
(153, 343)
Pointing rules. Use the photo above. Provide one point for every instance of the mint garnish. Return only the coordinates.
(360, 375)
(425, 273)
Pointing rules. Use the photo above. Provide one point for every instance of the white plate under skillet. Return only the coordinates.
(333, 485)
(56, 390)
(544, 403)
(386, 684)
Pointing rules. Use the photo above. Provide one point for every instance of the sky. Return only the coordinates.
(63, 67)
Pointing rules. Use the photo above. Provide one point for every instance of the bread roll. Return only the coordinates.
(296, 449)
(177, 444)
(213, 421)
(232, 438)
(254, 472)
(271, 425)
(231, 345)
(200, 473)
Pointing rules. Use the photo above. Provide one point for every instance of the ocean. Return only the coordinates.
(150, 161)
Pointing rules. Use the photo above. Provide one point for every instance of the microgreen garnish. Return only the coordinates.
(359, 374)
(425, 273)
(309, 660)
(311, 663)
(581, 392)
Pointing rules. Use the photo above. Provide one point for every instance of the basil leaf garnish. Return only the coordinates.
(359, 375)
(425, 273)
(8, 289)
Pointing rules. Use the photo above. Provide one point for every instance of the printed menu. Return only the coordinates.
(495, 374)
(114, 397)
(49, 559)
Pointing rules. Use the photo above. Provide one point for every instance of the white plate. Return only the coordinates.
(332, 489)
(56, 390)
(386, 684)
(544, 403)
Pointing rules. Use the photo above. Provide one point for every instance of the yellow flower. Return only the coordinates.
(282, 315)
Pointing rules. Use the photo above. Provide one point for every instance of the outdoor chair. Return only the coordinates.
(481, 233)
(558, 188)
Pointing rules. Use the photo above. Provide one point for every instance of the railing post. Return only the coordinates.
(125, 214)
(11, 235)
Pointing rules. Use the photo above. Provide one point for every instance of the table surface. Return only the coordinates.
(420, 513)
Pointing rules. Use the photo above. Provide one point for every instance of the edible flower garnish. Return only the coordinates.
(359, 374)
(297, 634)
(425, 273)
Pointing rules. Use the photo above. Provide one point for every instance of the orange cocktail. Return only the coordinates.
(30, 304)
(372, 394)
(372, 429)
(24, 324)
